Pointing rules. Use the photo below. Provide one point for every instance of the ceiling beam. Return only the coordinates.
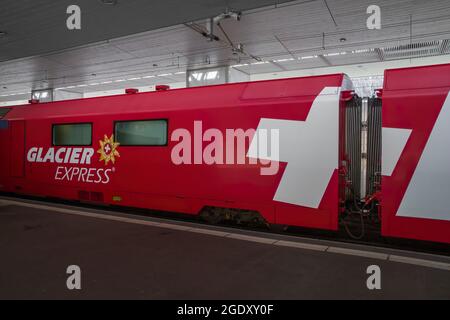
(285, 48)
(325, 60)
(278, 65)
(331, 14)
(44, 29)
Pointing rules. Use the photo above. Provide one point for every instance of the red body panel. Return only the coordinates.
(146, 177)
(412, 99)
(5, 157)
(17, 148)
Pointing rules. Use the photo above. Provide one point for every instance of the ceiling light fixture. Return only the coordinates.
(284, 60)
(308, 57)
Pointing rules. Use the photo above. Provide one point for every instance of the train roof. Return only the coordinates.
(422, 77)
(215, 96)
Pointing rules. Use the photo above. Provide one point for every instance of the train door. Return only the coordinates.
(17, 157)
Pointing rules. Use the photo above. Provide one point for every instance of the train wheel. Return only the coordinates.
(211, 216)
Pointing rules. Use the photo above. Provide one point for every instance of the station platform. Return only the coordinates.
(124, 256)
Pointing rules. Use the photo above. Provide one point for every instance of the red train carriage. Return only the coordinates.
(274, 151)
(416, 153)
(69, 149)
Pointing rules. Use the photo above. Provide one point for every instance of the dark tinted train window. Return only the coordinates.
(4, 124)
(79, 134)
(141, 133)
(3, 112)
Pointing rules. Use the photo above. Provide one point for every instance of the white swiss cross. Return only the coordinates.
(427, 193)
(310, 149)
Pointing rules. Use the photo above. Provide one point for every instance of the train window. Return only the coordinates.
(3, 112)
(141, 132)
(79, 134)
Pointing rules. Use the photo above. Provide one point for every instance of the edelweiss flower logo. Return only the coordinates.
(108, 149)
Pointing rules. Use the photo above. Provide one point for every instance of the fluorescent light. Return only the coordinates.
(308, 57)
(146, 77)
(14, 94)
(284, 60)
(334, 54)
(239, 65)
(362, 50)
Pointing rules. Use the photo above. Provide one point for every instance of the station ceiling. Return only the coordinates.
(35, 27)
(139, 43)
